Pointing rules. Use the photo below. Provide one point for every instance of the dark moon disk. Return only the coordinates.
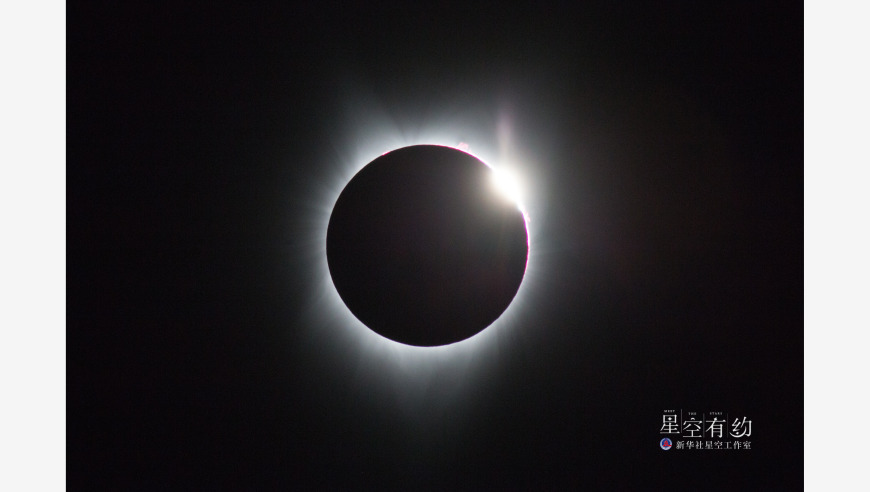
(422, 248)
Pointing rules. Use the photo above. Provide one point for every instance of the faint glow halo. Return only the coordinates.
(351, 337)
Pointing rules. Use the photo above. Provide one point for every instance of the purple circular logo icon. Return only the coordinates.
(666, 444)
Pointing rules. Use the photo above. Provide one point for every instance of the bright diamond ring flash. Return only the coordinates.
(507, 184)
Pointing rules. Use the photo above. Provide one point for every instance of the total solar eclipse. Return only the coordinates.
(424, 246)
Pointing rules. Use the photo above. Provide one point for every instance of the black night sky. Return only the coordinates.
(661, 144)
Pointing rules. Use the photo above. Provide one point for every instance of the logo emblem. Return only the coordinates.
(666, 444)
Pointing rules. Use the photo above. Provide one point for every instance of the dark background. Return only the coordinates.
(668, 140)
